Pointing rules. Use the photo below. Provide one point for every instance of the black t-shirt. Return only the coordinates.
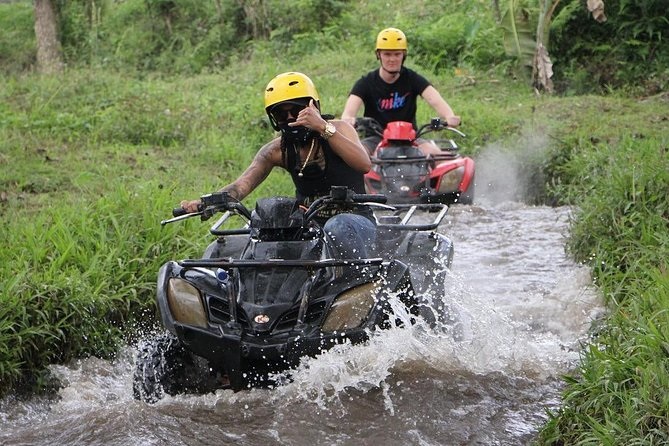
(390, 102)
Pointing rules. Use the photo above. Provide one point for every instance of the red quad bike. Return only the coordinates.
(404, 174)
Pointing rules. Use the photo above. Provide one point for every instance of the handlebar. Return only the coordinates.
(220, 201)
(209, 205)
(437, 124)
(343, 197)
(370, 198)
(178, 212)
(370, 126)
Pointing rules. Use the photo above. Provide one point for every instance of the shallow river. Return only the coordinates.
(524, 307)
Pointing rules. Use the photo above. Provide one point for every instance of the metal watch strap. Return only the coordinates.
(329, 130)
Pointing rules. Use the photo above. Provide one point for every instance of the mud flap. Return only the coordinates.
(427, 255)
(396, 275)
(398, 280)
(232, 364)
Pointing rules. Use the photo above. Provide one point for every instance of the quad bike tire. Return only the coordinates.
(165, 367)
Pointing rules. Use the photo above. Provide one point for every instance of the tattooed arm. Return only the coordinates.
(265, 160)
(267, 157)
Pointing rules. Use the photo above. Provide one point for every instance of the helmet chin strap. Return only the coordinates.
(392, 73)
(296, 135)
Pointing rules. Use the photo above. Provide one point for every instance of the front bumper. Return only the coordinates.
(244, 357)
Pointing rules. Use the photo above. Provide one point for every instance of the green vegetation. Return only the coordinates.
(619, 177)
(150, 112)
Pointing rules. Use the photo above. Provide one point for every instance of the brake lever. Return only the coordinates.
(180, 217)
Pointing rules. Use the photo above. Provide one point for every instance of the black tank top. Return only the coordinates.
(316, 182)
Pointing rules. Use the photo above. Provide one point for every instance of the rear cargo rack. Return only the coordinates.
(403, 216)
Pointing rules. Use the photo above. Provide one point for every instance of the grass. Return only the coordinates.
(622, 231)
(618, 395)
(78, 275)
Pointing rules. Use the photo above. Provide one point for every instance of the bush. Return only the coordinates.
(629, 49)
(184, 36)
(17, 39)
(456, 40)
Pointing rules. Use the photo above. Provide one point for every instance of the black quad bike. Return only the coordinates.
(275, 290)
(404, 174)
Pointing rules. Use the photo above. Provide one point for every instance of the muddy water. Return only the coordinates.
(523, 307)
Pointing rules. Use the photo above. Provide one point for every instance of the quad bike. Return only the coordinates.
(275, 290)
(404, 174)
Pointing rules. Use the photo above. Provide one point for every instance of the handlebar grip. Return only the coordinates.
(374, 198)
(177, 212)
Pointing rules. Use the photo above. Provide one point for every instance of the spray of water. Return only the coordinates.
(510, 173)
(471, 336)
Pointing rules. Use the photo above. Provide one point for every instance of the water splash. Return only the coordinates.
(511, 173)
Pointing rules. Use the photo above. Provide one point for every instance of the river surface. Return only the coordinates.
(524, 309)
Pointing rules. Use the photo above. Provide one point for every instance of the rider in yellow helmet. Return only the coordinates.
(390, 92)
(317, 153)
(391, 39)
(289, 88)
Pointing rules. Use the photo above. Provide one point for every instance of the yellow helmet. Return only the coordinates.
(289, 86)
(391, 39)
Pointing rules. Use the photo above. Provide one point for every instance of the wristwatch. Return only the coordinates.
(329, 130)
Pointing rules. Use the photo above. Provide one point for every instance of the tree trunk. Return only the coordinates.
(256, 15)
(495, 10)
(49, 52)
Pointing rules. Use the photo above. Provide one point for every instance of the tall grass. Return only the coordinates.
(76, 276)
(625, 223)
(619, 394)
(619, 179)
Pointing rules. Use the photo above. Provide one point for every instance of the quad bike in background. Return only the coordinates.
(404, 174)
(276, 289)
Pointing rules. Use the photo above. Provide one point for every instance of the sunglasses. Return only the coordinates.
(283, 112)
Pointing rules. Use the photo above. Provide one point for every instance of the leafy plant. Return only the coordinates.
(17, 39)
(627, 49)
(518, 20)
(459, 39)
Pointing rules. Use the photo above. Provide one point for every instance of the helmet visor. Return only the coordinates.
(287, 111)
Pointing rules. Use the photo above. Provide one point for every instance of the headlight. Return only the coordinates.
(351, 308)
(185, 303)
(451, 180)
